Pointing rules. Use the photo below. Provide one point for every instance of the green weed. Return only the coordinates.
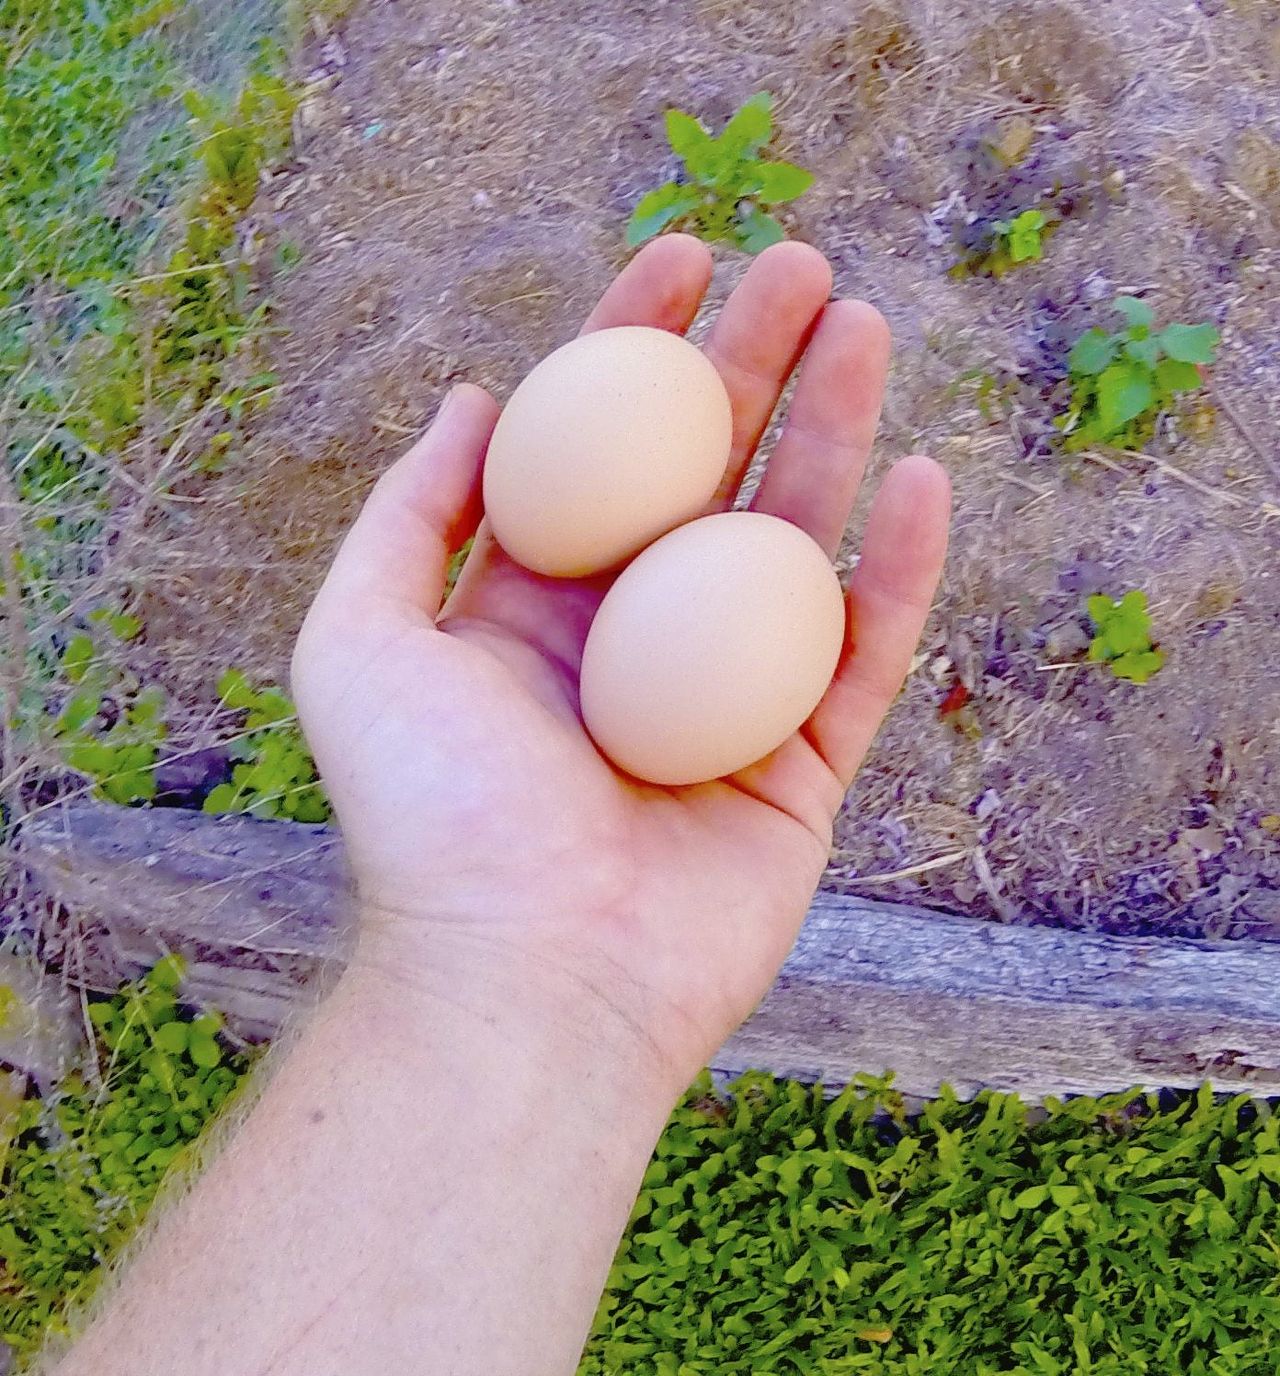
(207, 313)
(780, 1232)
(110, 727)
(275, 775)
(1022, 238)
(725, 186)
(82, 1165)
(1121, 383)
(997, 247)
(1122, 636)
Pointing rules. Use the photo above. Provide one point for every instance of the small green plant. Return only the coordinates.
(1023, 236)
(992, 248)
(725, 186)
(110, 727)
(275, 775)
(84, 1163)
(1122, 636)
(206, 298)
(1121, 383)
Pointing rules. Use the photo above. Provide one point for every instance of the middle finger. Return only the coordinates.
(758, 340)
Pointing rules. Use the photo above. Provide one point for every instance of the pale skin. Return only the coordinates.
(437, 1175)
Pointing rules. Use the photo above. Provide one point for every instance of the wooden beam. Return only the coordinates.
(40, 1031)
(1039, 1010)
(262, 909)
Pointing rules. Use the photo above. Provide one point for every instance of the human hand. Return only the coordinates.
(502, 863)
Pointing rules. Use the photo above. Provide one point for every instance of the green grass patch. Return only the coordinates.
(80, 1168)
(781, 1232)
(80, 198)
(777, 1230)
(104, 130)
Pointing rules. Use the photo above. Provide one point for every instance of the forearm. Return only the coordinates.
(434, 1180)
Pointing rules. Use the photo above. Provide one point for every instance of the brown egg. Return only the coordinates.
(712, 647)
(609, 442)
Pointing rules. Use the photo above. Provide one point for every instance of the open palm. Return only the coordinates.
(479, 816)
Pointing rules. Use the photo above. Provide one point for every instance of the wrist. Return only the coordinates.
(466, 995)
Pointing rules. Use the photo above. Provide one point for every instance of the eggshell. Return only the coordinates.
(608, 443)
(711, 648)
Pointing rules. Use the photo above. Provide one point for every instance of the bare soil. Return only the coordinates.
(459, 195)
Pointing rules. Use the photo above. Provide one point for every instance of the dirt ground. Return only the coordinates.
(458, 199)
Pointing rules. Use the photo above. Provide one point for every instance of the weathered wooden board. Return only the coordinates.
(263, 908)
(872, 986)
(40, 1035)
(260, 909)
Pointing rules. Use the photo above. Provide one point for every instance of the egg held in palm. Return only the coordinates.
(608, 443)
(712, 647)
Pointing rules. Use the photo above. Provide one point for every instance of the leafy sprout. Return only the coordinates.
(1023, 235)
(991, 248)
(1122, 636)
(724, 186)
(1122, 382)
